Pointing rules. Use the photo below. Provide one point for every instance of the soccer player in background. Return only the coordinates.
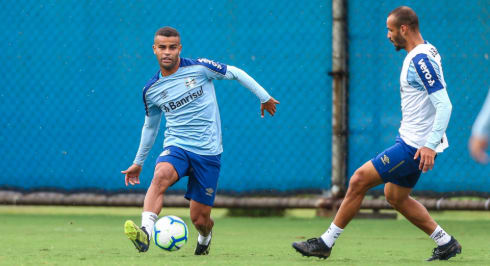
(183, 90)
(426, 110)
(480, 133)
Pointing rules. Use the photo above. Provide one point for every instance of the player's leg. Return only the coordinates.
(363, 179)
(399, 198)
(417, 214)
(171, 164)
(201, 191)
(164, 176)
(201, 218)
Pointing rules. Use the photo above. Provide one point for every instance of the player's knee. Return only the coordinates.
(357, 182)
(161, 182)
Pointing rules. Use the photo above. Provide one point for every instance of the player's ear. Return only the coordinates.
(154, 47)
(403, 29)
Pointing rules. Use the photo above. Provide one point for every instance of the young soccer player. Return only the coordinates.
(426, 110)
(183, 91)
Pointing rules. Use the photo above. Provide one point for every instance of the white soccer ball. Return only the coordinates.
(170, 233)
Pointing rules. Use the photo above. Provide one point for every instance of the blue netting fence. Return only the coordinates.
(72, 74)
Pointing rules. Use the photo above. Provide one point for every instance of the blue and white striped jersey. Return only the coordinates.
(425, 105)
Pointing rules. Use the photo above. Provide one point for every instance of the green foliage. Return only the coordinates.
(94, 236)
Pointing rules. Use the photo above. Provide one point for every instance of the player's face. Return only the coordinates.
(167, 50)
(394, 34)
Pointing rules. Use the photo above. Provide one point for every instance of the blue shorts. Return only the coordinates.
(203, 172)
(396, 164)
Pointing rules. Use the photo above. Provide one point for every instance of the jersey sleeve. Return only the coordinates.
(248, 82)
(440, 100)
(148, 136)
(429, 72)
(213, 69)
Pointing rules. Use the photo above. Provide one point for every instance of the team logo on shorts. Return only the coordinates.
(209, 192)
(385, 159)
(165, 152)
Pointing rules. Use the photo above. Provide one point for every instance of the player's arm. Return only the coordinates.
(215, 70)
(268, 103)
(480, 133)
(148, 136)
(441, 102)
(429, 75)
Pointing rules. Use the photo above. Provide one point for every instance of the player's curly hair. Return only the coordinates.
(167, 32)
(404, 15)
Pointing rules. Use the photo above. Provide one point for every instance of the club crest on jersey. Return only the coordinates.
(190, 83)
(426, 72)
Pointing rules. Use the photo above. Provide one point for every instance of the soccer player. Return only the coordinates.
(480, 133)
(183, 90)
(426, 110)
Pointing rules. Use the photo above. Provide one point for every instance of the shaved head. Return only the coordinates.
(404, 15)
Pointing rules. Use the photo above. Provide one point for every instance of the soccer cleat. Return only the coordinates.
(446, 251)
(203, 249)
(137, 235)
(313, 247)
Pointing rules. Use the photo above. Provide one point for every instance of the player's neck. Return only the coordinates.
(166, 72)
(412, 42)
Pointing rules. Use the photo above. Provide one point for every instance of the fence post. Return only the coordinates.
(339, 97)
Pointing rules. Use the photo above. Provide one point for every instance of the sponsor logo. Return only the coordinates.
(385, 159)
(209, 192)
(184, 100)
(165, 152)
(210, 62)
(164, 94)
(426, 72)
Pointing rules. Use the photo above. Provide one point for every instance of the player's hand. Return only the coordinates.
(132, 174)
(427, 156)
(270, 106)
(478, 146)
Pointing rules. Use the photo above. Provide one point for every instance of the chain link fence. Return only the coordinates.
(72, 74)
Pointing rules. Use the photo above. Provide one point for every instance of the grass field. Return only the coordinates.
(94, 236)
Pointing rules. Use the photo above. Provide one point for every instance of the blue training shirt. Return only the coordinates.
(187, 99)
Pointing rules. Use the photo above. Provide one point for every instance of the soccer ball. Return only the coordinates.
(170, 233)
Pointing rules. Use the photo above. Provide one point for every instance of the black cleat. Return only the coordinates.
(313, 247)
(203, 249)
(446, 251)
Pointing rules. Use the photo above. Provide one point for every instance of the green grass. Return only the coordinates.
(94, 236)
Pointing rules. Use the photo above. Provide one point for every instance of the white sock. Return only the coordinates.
(332, 233)
(204, 240)
(148, 220)
(440, 236)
